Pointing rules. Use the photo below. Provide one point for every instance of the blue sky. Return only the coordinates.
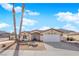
(41, 16)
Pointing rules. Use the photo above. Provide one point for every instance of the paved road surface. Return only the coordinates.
(8, 41)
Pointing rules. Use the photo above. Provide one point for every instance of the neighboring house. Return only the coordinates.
(75, 36)
(67, 33)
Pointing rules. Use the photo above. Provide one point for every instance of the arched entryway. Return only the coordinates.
(35, 36)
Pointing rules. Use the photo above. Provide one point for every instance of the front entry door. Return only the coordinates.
(24, 38)
(35, 36)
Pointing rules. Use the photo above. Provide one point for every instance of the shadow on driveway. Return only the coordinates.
(62, 45)
(16, 52)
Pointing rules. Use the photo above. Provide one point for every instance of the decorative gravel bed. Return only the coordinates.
(24, 46)
(33, 46)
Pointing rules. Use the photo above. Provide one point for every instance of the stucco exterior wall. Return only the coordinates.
(50, 32)
(76, 37)
(26, 34)
(51, 36)
(35, 35)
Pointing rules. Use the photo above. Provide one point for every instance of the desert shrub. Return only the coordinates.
(3, 45)
(70, 39)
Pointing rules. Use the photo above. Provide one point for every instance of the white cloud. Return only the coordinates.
(44, 28)
(34, 13)
(56, 27)
(31, 13)
(28, 11)
(7, 6)
(18, 9)
(30, 22)
(4, 25)
(68, 17)
(70, 27)
(23, 27)
(18, 28)
(11, 31)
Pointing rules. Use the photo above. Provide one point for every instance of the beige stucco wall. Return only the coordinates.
(76, 37)
(12, 37)
(48, 32)
(27, 34)
(51, 32)
(35, 35)
(65, 35)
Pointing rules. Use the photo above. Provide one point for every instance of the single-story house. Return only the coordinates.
(50, 35)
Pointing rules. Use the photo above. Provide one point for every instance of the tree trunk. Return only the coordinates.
(14, 20)
(21, 21)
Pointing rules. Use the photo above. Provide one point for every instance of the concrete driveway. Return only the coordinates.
(52, 49)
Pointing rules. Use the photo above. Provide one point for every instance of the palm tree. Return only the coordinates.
(21, 20)
(14, 20)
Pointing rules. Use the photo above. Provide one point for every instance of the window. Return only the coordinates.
(24, 37)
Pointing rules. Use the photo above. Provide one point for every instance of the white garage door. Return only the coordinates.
(51, 38)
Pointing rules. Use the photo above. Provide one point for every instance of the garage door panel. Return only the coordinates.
(51, 38)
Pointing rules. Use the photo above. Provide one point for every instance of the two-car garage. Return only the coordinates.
(51, 35)
(51, 38)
